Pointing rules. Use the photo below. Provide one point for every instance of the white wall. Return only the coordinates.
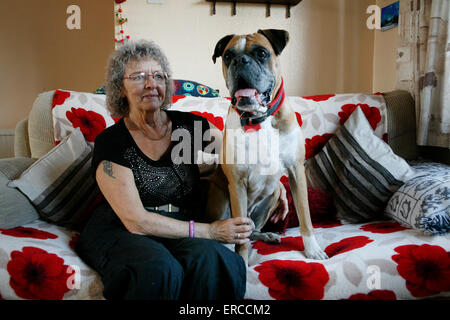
(331, 50)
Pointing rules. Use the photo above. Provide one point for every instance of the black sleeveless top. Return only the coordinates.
(160, 181)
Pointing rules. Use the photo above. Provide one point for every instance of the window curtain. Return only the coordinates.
(423, 66)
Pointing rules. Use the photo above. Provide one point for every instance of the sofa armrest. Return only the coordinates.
(6, 143)
(16, 209)
(21, 140)
(401, 116)
(40, 125)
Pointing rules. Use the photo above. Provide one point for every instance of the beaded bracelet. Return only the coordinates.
(191, 229)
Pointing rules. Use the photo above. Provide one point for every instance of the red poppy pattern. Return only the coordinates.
(217, 121)
(299, 119)
(90, 122)
(83, 110)
(372, 114)
(321, 209)
(327, 224)
(38, 275)
(374, 295)
(73, 240)
(27, 232)
(346, 245)
(323, 97)
(418, 270)
(383, 227)
(425, 268)
(59, 97)
(315, 144)
(293, 280)
(116, 119)
(177, 97)
(287, 244)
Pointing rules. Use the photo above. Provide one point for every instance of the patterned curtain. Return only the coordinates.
(423, 66)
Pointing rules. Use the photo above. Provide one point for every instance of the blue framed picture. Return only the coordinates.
(389, 16)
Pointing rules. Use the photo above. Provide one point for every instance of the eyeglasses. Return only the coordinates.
(140, 77)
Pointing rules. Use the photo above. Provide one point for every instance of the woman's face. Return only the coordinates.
(144, 93)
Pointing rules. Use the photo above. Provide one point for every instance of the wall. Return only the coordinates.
(331, 49)
(39, 53)
(385, 56)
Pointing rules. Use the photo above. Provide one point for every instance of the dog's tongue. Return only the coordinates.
(245, 93)
(250, 92)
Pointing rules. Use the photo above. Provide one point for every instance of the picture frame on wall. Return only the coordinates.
(389, 16)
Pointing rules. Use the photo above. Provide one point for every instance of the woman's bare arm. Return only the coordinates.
(117, 185)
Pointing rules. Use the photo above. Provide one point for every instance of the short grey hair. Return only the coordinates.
(117, 63)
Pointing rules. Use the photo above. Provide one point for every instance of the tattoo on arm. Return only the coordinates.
(108, 169)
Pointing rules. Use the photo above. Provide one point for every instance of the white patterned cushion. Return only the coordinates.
(423, 202)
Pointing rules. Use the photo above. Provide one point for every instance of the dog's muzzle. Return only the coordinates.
(251, 122)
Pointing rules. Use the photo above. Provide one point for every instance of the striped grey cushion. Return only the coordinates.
(60, 184)
(359, 169)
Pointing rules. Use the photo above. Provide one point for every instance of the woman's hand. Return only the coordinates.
(233, 230)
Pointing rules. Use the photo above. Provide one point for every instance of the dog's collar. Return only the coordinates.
(250, 122)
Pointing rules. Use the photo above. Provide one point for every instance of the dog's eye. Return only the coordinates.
(261, 53)
(228, 55)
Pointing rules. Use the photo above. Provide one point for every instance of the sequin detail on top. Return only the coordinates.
(162, 183)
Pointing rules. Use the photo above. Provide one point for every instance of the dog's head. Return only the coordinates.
(251, 68)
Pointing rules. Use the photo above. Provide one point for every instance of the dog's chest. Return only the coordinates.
(261, 156)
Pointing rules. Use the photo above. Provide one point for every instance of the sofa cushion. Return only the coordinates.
(359, 169)
(16, 209)
(46, 252)
(192, 88)
(60, 184)
(423, 202)
(87, 111)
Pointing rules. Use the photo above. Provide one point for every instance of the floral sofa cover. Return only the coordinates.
(372, 260)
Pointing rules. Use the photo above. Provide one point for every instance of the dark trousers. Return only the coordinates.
(142, 267)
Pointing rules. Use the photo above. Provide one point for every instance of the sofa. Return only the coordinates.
(398, 251)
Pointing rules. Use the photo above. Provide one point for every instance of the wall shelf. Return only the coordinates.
(268, 3)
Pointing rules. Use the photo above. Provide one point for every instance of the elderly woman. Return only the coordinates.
(146, 241)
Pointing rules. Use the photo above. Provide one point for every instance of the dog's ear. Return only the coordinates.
(278, 38)
(220, 46)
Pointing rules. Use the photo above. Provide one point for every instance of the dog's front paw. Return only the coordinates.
(312, 249)
(316, 254)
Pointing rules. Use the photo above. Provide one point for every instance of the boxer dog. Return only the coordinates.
(259, 117)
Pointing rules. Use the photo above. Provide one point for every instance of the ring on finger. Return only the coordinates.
(238, 235)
